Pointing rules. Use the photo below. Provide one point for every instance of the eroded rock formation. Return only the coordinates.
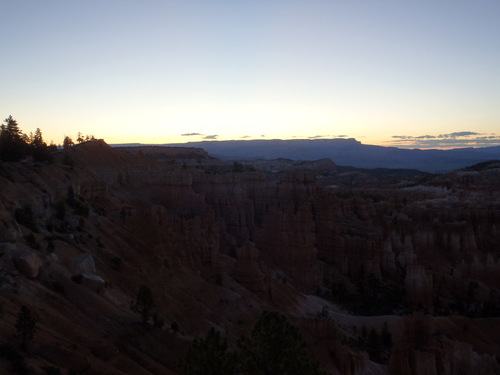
(217, 246)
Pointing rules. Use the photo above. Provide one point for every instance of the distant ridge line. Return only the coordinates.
(342, 151)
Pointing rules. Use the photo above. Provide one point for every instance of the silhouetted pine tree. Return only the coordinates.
(13, 146)
(67, 142)
(39, 149)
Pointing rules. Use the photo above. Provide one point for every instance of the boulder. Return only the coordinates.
(94, 282)
(84, 264)
(28, 263)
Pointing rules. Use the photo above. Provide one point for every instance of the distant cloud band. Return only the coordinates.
(455, 139)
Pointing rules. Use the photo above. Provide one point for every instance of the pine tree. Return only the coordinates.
(275, 347)
(12, 141)
(39, 148)
(80, 138)
(144, 303)
(209, 356)
(25, 325)
(67, 142)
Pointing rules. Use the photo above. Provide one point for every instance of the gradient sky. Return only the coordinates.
(409, 73)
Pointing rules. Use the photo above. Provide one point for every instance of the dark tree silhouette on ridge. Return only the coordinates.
(12, 141)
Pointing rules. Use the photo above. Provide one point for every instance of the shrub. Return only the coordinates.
(61, 209)
(24, 216)
(144, 303)
(81, 225)
(158, 320)
(32, 242)
(68, 160)
(50, 247)
(175, 327)
(50, 226)
(82, 208)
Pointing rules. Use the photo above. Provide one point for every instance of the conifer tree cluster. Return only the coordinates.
(274, 347)
(16, 145)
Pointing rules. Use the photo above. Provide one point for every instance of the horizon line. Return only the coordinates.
(408, 147)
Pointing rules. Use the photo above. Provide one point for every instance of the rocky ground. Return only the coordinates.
(382, 273)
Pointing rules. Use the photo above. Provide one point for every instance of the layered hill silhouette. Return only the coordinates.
(382, 274)
(347, 152)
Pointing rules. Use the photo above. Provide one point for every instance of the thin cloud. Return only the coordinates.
(449, 140)
(245, 137)
(190, 134)
(213, 136)
(458, 134)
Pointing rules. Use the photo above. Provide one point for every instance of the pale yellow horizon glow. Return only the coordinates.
(148, 72)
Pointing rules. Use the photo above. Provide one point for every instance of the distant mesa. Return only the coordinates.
(345, 152)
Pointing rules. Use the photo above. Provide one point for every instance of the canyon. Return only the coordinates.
(382, 273)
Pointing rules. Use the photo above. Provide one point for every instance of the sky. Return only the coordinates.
(403, 73)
